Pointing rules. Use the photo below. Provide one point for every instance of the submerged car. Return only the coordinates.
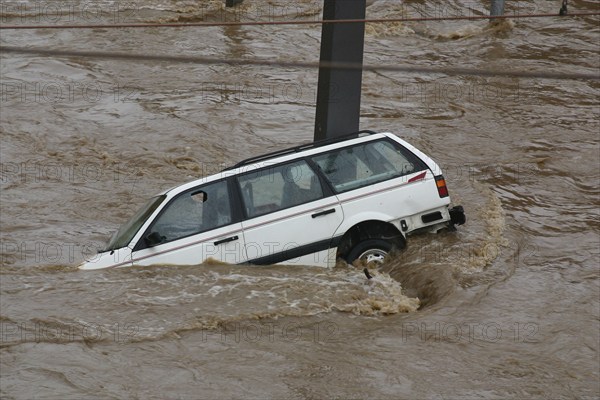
(354, 198)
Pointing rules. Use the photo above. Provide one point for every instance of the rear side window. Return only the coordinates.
(279, 187)
(365, 164)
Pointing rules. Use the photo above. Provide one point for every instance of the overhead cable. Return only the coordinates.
(299, 22)
(414, 69)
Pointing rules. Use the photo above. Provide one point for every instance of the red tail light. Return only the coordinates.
(441, 186)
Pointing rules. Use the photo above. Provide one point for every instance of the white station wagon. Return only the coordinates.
(355, 197)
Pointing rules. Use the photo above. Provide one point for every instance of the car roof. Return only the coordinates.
(300, 148)
(280, 156)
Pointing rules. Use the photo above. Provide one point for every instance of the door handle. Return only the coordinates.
(229, 239)
(321, 213)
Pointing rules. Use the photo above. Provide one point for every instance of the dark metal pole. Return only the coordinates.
(497, 7)
(339, 91)
(231, 3)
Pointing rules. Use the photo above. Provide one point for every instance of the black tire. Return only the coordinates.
(378, 247)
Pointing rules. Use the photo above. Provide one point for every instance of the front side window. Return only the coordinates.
(277, 188)
(365, 164)
(193, 212)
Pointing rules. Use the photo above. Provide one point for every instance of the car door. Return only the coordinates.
(197, 225)
(290, 215)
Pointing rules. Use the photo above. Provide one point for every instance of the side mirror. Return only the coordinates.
(154, 239)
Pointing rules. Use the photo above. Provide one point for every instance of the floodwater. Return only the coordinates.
(506, 307)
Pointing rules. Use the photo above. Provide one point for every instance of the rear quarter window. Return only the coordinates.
(366, 164)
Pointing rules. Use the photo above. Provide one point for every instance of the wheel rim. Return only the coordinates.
(373, 255)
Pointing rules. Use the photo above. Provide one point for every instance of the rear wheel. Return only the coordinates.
(369, 251)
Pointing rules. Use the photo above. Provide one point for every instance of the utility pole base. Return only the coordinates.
(339, 91)
(231, 3)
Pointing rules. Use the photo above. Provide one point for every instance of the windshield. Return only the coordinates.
(127, 231)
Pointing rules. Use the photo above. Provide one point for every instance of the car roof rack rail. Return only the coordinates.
(300, 148)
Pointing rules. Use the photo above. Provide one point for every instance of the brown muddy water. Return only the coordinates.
(507, 307)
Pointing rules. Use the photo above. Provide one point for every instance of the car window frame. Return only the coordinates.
(325, 186)
(409, 155)
(234, 206)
